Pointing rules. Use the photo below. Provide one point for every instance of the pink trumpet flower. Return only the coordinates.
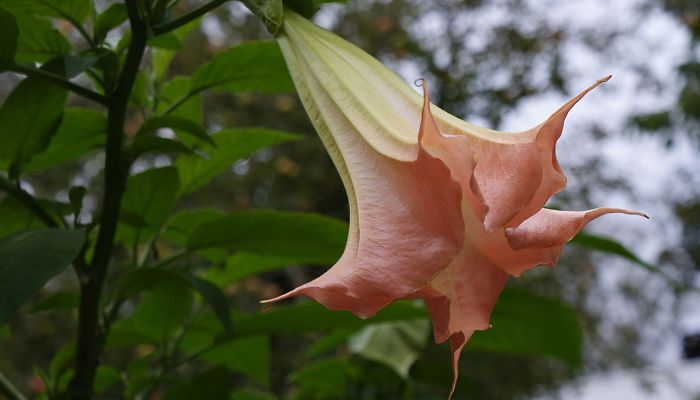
(440, 209)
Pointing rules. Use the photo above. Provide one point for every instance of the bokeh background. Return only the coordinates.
(503, 64)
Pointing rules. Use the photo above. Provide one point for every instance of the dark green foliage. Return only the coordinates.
(9, 33)
(28, 259)
(29, 118)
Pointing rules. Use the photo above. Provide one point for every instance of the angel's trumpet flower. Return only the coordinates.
(440, 209)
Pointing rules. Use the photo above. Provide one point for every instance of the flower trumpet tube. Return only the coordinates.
(440, 209)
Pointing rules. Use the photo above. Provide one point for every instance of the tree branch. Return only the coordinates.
(8, 389)
(54, 80)
(91, 336)
(187, 18)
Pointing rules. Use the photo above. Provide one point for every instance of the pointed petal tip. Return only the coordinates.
(604, 79)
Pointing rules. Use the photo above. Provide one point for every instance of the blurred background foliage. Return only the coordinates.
(196, 254)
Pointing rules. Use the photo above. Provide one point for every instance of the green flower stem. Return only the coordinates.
(54, 80)
(91, 334)
(8, 389)
(187, 18)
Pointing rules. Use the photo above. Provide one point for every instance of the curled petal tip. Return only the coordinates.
(419, 82)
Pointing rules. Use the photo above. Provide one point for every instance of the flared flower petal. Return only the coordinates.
(440, 209)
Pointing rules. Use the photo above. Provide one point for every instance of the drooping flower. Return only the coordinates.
(440, 209)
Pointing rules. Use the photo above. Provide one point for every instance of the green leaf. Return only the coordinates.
(29, 118)
(81, 130)
(105, 378)
(232, 145)
(154, 144)
(146, 278)
(109, 19)
(214, 297)
(256, 66)
(183, 223)
(150, 195)
(162, 311)
(72, 66)
(313, 317)
(395, 344)
(326, 379)
(38, 40)
(29, 259)
(9, 34)
(242, 265)
(173, 92)
(250, 394)
(66, 300)
(249, 356)
(610, 246)
(526, 323)
(62, 360)
(16, 217)
(176, 123)
(310, 237)
(215, 383)
(73, 10)
(271, 12)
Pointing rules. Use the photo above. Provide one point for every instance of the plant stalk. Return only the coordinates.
(92, 334)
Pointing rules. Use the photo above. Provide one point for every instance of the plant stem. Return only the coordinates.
(92, 336)
(54, 80)
(28, 201)
(8, 389)
(185, 19)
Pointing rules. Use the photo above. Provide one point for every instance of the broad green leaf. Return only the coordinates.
(109, 19)
(81, 130)
(38, 40)
(162, 56)
(72, 66)
(179, 124)
(9, 34)
(183, 223)
(231, 146)
(526, 323)
(311, 237)
(62, 360)
(162, 311)
(256, 66)
(177, 91)
(150, 195)
(249, 356)
(312, 317)
(145, 278)
(215, 383)
(395, 344)
(270, 12)
(29, 118)
(29, 259)
(105, 378)
(326, 379)
(250, 394)
(5, 332)
(242, 265)
(144, 144)
(66, 300)
(72, 10)
(607, 245)
(15, 217)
